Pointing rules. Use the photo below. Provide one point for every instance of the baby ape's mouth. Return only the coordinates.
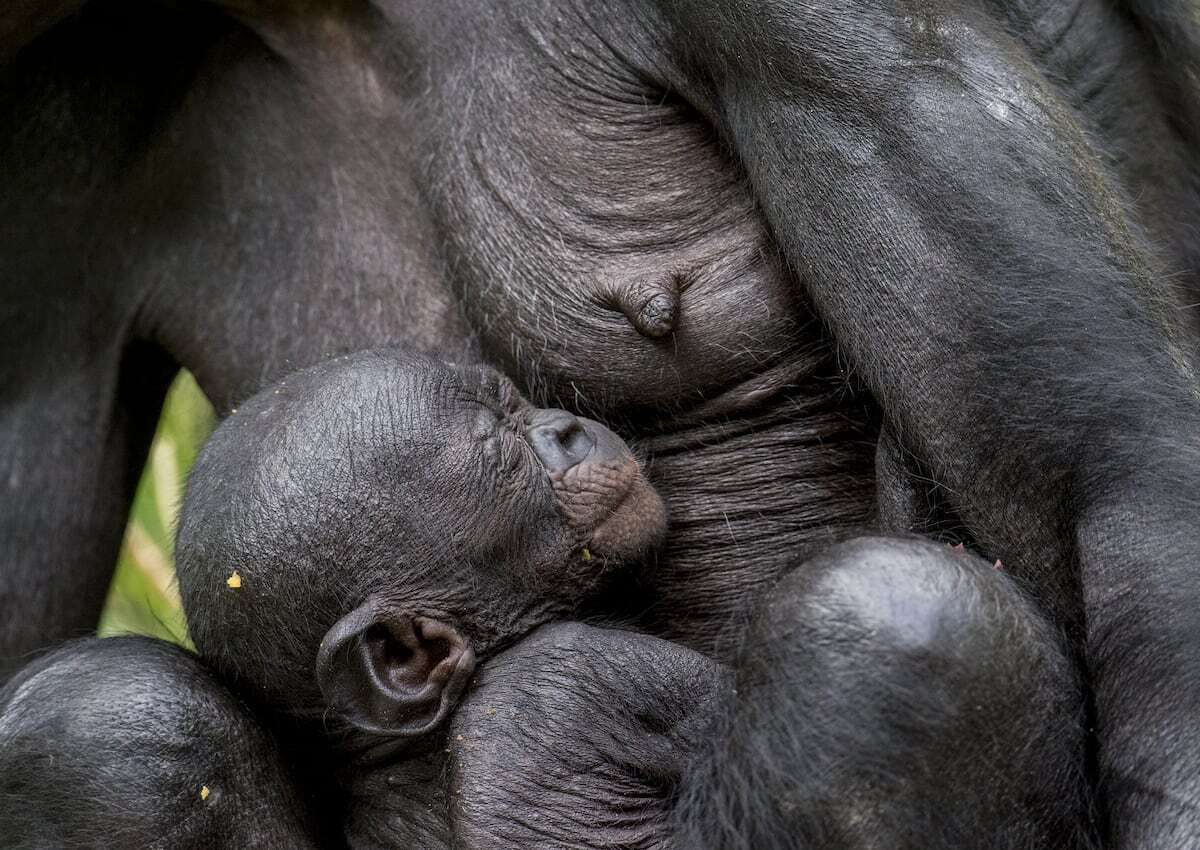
(598, 484)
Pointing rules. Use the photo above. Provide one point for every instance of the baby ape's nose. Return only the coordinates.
(559, 439)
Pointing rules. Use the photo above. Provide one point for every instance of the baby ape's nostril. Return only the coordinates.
(558, 439)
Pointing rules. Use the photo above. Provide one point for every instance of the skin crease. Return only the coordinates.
(982, 205)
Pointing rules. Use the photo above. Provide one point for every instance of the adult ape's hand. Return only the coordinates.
(578, 737)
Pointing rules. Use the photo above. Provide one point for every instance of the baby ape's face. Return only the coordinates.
(418, 511)
(542, 495)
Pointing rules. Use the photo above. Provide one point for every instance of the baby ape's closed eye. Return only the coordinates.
(382, 546)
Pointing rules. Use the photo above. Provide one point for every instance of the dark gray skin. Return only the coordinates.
(981, 203)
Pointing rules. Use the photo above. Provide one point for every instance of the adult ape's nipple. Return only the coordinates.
(651, 304)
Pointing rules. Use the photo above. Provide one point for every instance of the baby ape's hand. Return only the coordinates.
(577, 737)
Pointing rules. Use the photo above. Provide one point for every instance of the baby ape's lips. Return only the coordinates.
(637, 525)
(608, 501)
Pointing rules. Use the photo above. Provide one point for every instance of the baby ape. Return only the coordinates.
(390, 519)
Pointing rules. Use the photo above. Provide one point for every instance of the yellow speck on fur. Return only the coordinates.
(587, 555)
(234, 581)
(204, 792)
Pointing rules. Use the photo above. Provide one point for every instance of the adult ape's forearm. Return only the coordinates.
(975, 263)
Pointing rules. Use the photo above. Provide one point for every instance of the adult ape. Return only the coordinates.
(967, 196)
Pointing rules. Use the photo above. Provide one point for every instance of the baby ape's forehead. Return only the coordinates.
(402, 451)
(370, 399)
(367, 420)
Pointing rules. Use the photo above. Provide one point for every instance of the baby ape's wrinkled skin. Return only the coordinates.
(391, 519)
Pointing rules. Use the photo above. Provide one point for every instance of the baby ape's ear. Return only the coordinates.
(391, 673)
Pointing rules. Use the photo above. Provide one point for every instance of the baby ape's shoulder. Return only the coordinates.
(130, 743)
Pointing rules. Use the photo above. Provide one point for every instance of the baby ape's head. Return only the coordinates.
(388, 518)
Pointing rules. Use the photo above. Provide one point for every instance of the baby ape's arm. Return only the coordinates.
(129, 743)
(974, 260)
(578, 737)
(892, 693)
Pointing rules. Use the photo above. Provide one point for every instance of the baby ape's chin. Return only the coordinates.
(637, 524)
(611, 507)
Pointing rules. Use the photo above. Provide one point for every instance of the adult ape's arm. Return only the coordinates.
(964, 245)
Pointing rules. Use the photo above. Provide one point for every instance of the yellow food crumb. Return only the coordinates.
(587, 555)
(204, 792)
(234, 581)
